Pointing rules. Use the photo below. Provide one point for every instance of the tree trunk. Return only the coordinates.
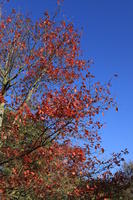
(1, 113)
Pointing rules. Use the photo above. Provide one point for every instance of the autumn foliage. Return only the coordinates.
(50, 107)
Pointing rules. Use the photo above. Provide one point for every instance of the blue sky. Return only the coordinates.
(108, 39)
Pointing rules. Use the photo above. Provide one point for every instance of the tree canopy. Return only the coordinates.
(50, 108)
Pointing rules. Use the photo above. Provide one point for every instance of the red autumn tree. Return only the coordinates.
(49, 105)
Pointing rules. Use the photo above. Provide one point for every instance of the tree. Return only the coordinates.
(127, 171)
(48, 100)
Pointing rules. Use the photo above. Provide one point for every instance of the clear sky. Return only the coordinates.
(108, 39)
